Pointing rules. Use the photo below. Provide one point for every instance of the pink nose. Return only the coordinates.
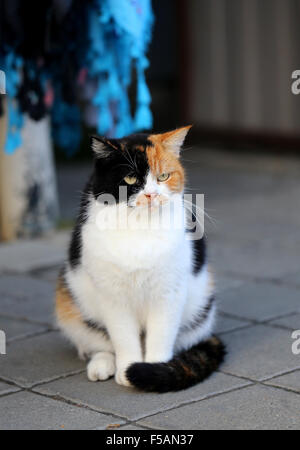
(151, 196)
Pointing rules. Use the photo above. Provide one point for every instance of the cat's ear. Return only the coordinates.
(173, 140)
(101, 146)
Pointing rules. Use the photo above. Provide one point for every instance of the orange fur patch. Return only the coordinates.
(66, 310)
(188, 371)
(162, 160)
(214, 341)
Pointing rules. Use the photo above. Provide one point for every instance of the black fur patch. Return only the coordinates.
(96, 327)
(199, 253)
(200, 318)
(75, 244)
(183, 371)
(121, 158)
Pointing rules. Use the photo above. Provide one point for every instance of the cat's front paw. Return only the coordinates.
(101, 367)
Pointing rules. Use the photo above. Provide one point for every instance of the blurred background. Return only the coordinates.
(223, 65)
(226, 67)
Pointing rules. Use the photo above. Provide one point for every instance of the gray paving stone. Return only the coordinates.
(7, 388)
(246, 209)
(46, 414)
(255, 258)
(114, 425)
(254, 408)
(126, 402)
(261, 203)
(38, 359)
(223, 283)
(260, 301)
(225, 324)
(229, 185)
(261, 208)
(292, 322)
(18, 329)
(47, 274)
(131, 428)
(288, 381)
(25, 297)
(254, 161)
(26, 255)
(293, 278)
(259, 352)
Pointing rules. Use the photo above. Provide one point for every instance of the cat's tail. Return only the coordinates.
(184, 370)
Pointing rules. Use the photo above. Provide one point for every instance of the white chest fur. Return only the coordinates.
(132, 247)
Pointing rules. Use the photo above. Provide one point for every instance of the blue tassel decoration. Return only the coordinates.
(113, 39)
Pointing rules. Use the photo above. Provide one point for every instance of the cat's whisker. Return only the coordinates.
(186, 188)
(199, 210)
(128, 158)
(186, 149)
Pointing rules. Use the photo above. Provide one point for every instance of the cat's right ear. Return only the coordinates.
(101, 147)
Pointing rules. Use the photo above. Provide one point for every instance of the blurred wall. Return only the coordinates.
(163, 73)
(241, 54)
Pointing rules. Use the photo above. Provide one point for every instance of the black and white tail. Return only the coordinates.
(185, 370)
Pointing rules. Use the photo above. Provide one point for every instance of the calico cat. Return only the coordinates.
(138, 302)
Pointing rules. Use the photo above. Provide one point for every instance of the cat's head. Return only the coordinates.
(147, 165)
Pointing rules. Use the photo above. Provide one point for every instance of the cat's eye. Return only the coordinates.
(163, 177)
(130, 180)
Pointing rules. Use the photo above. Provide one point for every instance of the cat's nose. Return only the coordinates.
(151, 195)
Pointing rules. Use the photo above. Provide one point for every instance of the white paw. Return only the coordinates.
(121, 378)
(101, 367)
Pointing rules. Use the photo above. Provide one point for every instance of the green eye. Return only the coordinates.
(163, 177)
(130, 180)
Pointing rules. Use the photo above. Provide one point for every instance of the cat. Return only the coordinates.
(138, 302)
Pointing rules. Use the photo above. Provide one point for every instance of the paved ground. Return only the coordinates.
(255, 249)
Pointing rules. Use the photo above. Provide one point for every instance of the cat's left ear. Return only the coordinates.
(173, 140)
(101, 146)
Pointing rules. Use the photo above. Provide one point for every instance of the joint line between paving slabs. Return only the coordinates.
(67, 401)
(253, 322)
(264, 382)
(73, 402)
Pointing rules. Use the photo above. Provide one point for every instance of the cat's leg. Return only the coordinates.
(91, 344)
(91, 341)
(124, 331)
(198, 318)
(163, 320)
(122, 337)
